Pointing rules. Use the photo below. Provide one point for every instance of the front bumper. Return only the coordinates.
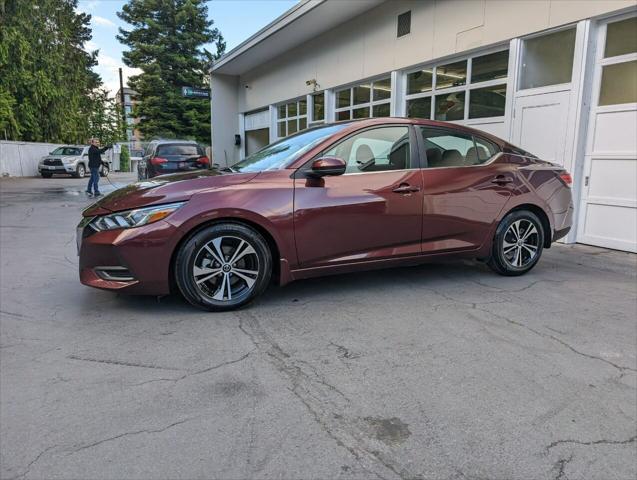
(56, 169)
(144, 252)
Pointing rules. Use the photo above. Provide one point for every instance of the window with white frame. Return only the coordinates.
(291, 117)
(317, 108)
(370, 99)
(474, 87)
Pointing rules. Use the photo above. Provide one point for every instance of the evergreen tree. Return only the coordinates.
(166, 42)
(105, 119)
(47, 77)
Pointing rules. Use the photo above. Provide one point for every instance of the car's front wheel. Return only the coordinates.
(517, 245)
(223, 267)
(80, 171)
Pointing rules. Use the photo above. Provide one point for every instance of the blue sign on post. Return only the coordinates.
(192, 92)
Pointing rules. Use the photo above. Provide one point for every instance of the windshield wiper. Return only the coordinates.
(228, 169)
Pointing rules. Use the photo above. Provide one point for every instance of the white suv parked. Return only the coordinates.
(68, 160)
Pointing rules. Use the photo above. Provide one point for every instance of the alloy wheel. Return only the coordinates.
(226, 268)
(520, 243)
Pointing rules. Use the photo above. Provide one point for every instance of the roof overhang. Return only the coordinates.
(306, 20)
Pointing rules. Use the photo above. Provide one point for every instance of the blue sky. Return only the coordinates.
(236, 19)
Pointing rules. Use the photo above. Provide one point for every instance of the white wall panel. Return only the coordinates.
(611, 132)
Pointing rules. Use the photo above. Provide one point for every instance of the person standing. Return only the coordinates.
(94, 164)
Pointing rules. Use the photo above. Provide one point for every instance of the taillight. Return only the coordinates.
(566, 178)
(158, 160)
(204, 160)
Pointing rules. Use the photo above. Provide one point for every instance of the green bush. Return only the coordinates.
(124, 159)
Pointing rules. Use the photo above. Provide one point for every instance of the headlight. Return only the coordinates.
(134, 218)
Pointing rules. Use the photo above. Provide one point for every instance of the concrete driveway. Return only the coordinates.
(433, 372)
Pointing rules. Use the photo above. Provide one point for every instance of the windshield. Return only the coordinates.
(178, 149)
(67, 151)
(284, 151)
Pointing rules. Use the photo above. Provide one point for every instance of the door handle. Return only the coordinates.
(406, 188)
(502, 180)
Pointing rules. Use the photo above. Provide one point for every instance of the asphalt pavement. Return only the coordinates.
(443, 371)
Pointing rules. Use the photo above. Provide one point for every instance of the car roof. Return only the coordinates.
(162, 141)
(356, 124)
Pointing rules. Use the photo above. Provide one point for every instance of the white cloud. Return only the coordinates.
(104, 22)
(87, 6)
(108, 69)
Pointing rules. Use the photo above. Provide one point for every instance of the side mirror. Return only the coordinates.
(327, 166)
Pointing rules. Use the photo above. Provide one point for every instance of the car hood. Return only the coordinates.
(165, 189)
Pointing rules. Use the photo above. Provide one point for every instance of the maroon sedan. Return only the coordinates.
(338, 198)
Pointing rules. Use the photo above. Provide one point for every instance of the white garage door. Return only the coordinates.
(608, 212)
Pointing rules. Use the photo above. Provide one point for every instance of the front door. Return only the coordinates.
(372, 212)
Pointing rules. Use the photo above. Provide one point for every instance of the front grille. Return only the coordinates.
(55, 163)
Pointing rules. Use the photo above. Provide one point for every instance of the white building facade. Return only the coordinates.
(555, 77)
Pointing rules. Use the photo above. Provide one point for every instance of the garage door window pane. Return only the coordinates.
(318, 107)
(419, 108)
(292, 109)
(619, 84)
(381, 110)
(490, 67)
(382, 89)
(343, 98)
(621, 38)
(487, 102)
(451, 75)
(282, 111)
(281, 131)
(302, 123)
(450, 107)
(420, 81)
(361, 112)
(291, 127)
(302, 107)
(548, 60)
(344, 115)
(361, 94)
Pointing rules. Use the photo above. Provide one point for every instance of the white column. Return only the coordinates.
(330, 116)
(274, 131)
(397, 104)
(242, 134)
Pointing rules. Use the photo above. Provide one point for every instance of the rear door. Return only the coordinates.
(179, 157)
(372, 212)
(463, 191)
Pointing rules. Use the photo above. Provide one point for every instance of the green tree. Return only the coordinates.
(105, 118)
(47, 76)
(166, 41)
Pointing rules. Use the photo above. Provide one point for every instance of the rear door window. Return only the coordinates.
(181, 150)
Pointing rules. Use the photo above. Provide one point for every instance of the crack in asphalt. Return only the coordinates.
(197, 372)
(592, 442)
(322, 400)
(621, 368)
(560, 466)
(27, 469)
(127, 434)
(121, 363)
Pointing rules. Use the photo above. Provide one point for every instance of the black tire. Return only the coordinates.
(80, 171)
(46, 175)
(509, 257)
(201, 251)
(104, 171)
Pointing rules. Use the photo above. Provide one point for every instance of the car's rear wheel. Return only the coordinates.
(80, 171)
(518, 244)
(223, 267)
